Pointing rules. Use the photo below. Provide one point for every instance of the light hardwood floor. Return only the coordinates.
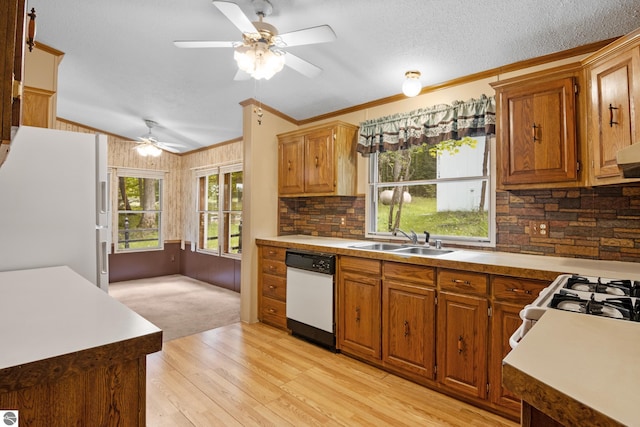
(252, 374)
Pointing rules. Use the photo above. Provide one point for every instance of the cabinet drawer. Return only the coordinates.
(275, 267)
(274, 313)
(274, 287)
(361, 265)
(463, 281)
(516, 290)
(272, 252)
(409, 273)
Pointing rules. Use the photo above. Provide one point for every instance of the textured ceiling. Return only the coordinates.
(121, 66)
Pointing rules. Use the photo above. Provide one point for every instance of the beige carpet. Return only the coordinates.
(179, 305)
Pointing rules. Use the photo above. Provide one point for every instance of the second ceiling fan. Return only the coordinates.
(261, 52)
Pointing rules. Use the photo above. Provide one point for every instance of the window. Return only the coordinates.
(443, 189)
(139, 210)
(219, 210)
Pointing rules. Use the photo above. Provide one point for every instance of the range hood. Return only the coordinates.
(629, 161)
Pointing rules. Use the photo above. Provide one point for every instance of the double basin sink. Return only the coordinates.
(403, 249)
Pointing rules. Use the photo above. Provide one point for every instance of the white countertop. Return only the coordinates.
(52, 311)
(586, 267)
(591, 359)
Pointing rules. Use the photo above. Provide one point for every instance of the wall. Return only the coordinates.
(597, 223)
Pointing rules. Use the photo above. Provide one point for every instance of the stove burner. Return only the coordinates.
(604, 286)
(615, 308)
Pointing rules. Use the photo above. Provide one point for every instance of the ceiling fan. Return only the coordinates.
(260, 54)
(149, 145)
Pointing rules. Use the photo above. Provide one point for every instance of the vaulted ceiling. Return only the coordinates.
(121, 66)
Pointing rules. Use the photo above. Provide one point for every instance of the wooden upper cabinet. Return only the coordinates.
(537, 127)
(613, 74)
(12, 23)
(318, 161)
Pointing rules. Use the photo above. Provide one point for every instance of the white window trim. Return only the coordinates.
(199, 173)
(137, 173)
(485, 243)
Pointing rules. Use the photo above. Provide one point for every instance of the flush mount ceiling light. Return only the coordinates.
(411, 86)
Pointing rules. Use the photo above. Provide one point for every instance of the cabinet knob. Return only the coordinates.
(271, 310)
(271, 287)
(316, 160)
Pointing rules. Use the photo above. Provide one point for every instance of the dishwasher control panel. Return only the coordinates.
(311, 261)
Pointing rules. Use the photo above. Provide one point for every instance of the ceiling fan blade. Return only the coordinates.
(303, 67)
(166, 147)
(313, 35)
(202, 43)
(234, 14)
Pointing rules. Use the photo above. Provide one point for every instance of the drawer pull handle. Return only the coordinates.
(520, 291)
(358, 314)
(406, 328)
(316, 161)
(462, 282)
(288, 165)
(272, 267)
(534, 132)
(460, 344)
(271, 287)
(271, 310)
(611, 122)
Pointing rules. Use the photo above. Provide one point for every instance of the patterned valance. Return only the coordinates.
(475, 117)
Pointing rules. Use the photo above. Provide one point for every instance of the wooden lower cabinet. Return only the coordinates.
(359, 313)
(505, 320)
(272, 281)
(409, 319)
(462, 343)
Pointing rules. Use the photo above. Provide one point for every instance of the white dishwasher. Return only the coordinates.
(310, 296)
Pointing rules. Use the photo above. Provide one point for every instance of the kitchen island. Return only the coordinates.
(71, 354)
(577, 369)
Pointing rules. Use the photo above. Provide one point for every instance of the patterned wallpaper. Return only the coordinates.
(594, 223)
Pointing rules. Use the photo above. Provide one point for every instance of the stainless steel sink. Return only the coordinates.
(378, 247)
(417, 250)
(402, 249)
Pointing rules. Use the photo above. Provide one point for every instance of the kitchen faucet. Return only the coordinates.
(413, 237)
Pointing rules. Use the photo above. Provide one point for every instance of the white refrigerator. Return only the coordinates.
(54, 206)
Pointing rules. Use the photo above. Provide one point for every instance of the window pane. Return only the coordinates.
(212, 193)
(135, 194)
(208, 231)
(406, 165)
(233, 188)
(442, 189)
(138, 230)
(233, 231)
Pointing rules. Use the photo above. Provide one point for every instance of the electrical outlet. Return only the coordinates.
(343, 220)
(539, 229)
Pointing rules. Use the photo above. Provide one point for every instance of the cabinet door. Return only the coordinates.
(319, 162)
(291, 165)
(505, 320)
(360, 315)
(538, 132)
(614, 117)
(462, 343)
(409, 327)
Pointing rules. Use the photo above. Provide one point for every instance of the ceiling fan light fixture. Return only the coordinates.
(258, 60)
(148, 150)
(411, 86)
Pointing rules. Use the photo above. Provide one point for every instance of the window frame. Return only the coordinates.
(222, 212)
(373, 185)
(138, 173)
